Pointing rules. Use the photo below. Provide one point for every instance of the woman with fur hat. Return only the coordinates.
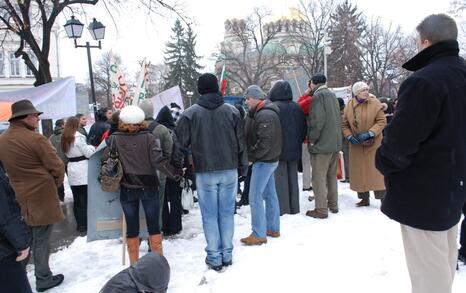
(140, 155)
(363, 122)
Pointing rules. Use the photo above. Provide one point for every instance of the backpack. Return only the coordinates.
(111, 170)
(177, 158)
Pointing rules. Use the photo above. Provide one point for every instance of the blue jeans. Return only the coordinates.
(217, 191)
(263, 189)
(129, 199)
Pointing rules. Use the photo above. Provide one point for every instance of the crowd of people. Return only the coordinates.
(413, 158)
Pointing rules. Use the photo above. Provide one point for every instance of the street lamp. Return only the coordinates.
(74, 29)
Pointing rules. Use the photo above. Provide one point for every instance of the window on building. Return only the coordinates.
(14, 65)
(2, 63)
(29, 72)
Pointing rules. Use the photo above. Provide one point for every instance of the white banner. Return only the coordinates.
(141, 93)
(342, 92)
(165, 98)
(118, 86)
(56, 99)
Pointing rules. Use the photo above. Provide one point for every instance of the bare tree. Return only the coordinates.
(315, 18)
(458, 9)
(249, 53)
(31, 21)
(382, 48)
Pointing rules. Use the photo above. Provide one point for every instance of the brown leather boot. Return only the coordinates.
(365, 202)
(273, 234)
(156, 243)
(133, 249)
(253, 240)
(316, 214)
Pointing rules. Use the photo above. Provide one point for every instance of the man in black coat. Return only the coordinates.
(15, 240)
(294, 128)
(101, 125)
(423, 156)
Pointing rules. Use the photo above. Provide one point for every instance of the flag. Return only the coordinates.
(223, 81)
(118, 86)
(141, 93)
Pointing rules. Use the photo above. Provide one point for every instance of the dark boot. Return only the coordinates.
(363, 203)
(56, 280)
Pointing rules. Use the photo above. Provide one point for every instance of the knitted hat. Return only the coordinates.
(207, 83)
(132, 115)
(359, 86)
(255, 92)
(148, 108)
(319, 78)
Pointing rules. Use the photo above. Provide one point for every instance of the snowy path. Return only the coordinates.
(357, 250)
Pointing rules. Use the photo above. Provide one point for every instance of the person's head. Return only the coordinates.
(240, 108)
(341, 103)
(131, 119)
(207, 83)
(115, 118)
(436, 28)
(361, 90)
(67, 138)
(107, 113)
(25, 111)
(317, 80)
(82, 119)
(60, 123)
(148, 108)
(253, 96)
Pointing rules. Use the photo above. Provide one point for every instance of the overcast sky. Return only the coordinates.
(137, 37)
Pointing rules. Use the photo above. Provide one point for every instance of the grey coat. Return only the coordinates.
(324, 122)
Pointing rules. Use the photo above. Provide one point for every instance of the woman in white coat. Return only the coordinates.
(78, 152)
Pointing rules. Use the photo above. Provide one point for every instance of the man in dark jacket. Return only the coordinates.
(325, 143)
(15, 240)
(214, 132)
(151, 273)
(101, 125)
(293, 133)
(423, 156)
(264, 141)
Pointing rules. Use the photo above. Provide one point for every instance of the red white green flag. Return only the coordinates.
(223, 81)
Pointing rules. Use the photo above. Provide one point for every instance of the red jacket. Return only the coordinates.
(305, 103)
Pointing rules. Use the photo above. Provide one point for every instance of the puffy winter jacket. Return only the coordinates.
(77, 171)
(264, 133)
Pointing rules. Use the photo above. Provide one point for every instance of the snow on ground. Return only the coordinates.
(357, 250)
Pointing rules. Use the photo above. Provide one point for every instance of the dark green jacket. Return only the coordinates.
(324, 122)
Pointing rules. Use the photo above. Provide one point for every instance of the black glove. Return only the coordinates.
(242, 171)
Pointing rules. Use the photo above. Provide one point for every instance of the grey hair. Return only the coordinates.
(437, 28)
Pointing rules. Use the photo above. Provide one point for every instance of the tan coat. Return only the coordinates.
(35, 171)
(369, 116)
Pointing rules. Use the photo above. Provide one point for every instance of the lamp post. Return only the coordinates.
(74, 29)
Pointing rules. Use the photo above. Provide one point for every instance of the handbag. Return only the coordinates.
(111, 170)
(187, 195)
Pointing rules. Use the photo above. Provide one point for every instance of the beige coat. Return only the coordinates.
(369, 116)
(35, 171)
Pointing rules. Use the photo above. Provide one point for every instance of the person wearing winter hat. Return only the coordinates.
(205, 128)
(363, 122)
(140, 156)
(325, 143)
(151, 273)
(176, 111)
(164, 137)
(264, 143)
(293, 124)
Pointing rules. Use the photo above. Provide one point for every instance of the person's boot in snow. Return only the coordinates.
(253, 240)
(133, 249)
(54, 282)
(363, 203)
(156, 243)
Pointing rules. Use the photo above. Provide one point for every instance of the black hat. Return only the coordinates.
(23, 108)
(318, 78)
(207, 83)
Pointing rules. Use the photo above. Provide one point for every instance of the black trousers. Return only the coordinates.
(172, 212)
(80, 204)
(13, 277)
(463, 233)
(247, 181)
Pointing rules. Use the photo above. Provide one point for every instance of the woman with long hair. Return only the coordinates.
(78, 152)
(363, 122)
(140, 155)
